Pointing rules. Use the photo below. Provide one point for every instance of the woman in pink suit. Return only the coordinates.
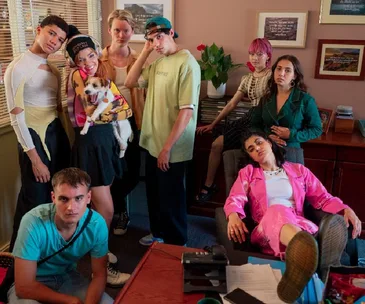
(275, 191)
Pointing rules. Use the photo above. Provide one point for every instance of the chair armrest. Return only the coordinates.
(313, 214)
(221, 226)
(222, 237)
(231, 160)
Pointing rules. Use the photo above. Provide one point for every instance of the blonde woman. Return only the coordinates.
(96, 152)
(118, 58)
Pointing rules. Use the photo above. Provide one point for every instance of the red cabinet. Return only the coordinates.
(349, 185)
(338, 160)
(323, 169)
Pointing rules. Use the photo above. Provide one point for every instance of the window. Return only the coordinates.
(18, 23)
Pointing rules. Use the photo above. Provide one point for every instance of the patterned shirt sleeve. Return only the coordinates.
(244, 84)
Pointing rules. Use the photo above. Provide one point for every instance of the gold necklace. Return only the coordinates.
(258, 74)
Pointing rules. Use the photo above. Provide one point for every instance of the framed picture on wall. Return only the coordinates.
(342, 12)
(283, 29)
(145, 9)
(326, 118)
(340, 59)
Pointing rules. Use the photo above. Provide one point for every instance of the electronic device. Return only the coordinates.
(239, 296)
(205, 271)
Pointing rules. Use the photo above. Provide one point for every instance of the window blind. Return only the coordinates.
(18, 23)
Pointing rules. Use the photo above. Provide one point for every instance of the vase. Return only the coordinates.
(216, 93)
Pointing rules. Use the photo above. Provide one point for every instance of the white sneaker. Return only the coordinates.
(115, 278)
(112, 258)
(149, 239)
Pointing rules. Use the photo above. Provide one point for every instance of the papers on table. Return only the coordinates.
(259, 281)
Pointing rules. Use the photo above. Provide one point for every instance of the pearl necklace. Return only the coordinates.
(274, 172)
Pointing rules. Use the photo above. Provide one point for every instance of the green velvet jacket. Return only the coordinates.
(299, 114)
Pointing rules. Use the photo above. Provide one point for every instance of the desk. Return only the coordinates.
(158, 278)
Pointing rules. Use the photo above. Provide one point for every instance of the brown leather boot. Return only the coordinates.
(301, 258)
(332, 239)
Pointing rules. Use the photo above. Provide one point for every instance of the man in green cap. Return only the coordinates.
(168, 128)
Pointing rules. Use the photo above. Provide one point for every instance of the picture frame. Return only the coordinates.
(340, 59)
(283, 29)
(326, 118)
(342, 12)
(145, 9)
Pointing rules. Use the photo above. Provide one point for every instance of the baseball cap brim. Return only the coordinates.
(158, 29)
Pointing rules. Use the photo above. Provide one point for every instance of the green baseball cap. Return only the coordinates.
(161, 23)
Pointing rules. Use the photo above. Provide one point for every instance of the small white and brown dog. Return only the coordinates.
(99, 89)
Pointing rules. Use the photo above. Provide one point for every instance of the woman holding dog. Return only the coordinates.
(274, 191)
(96, 152)
(119, 57)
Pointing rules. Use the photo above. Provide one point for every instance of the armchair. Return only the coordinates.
(232, 164)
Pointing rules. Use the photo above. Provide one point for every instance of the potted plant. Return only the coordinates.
(215, 65)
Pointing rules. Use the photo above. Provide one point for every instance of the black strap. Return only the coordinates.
(87, 220)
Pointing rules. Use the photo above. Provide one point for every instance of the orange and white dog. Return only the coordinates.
(104, 96)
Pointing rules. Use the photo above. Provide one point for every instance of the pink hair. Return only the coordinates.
(261, 45)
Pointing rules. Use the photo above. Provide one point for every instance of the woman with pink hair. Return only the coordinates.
(254, 86)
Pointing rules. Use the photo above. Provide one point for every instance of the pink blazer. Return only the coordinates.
(250, 187)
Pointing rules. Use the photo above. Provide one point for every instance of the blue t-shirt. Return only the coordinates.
(39, 238)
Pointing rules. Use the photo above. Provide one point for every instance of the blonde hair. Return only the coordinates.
(122, 15)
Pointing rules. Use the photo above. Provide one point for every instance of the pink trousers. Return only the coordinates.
(267, 234)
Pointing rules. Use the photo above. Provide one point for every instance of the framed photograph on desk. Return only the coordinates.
(326, 118)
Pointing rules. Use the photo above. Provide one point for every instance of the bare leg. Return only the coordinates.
(288, 231)
(103, 202)
(214, 161)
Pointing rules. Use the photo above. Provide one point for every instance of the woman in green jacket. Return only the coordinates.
(287, 113)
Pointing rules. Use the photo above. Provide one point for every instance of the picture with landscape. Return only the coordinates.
(341, 59)
(142, 12)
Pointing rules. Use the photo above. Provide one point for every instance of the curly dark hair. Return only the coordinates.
(55, 20)
(272, 87)
(278, 151)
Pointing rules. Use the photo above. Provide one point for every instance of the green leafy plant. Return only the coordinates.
(215, 65)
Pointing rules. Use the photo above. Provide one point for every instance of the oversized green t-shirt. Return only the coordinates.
(173, 83)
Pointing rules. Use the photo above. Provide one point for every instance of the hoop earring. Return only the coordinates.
(292, 83)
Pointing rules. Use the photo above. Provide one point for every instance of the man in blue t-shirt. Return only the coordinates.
(49, 227)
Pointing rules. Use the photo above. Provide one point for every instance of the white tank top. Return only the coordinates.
(278, 188)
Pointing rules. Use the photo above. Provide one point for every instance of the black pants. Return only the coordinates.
(166, 199)
(33, 193)
(294, 155)
(121, 187)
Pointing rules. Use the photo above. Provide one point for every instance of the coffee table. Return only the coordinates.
(158, 278)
